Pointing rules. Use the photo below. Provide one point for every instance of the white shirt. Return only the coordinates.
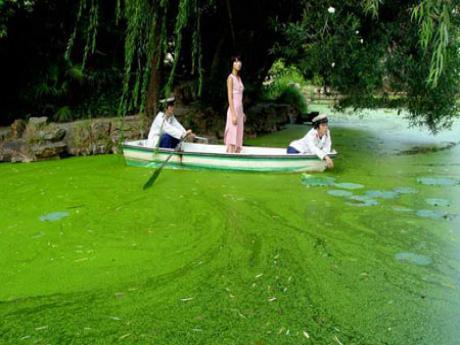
(311, 143)
(162, 125)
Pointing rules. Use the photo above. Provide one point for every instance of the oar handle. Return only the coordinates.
(202, 138)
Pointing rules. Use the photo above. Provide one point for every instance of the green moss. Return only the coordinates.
(226, 258)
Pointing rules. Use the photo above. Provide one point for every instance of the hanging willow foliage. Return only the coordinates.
(436, 31)
(371, 7)
(138, 35)
(181, 22)
(197, 56)
(90, 10)
(142, 17)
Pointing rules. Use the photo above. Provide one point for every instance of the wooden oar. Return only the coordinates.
(206, 140)
(157, 172)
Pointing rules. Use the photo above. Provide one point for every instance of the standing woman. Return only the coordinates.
(234, 128)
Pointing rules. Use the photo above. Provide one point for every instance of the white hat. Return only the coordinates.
(171, 99)
(321, 118)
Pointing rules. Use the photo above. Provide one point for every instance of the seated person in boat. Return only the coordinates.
(317, 141)
(166, 131)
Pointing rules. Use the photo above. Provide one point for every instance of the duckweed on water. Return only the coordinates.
(438, 202)
(401, 209)
(413, 258)
(405, 190)
(339, 192)
(38, 234)
(379, 194)
(226, 258)
(349, 185)
(432, 214)
(362, 200)
(438, 181)
(317, 180)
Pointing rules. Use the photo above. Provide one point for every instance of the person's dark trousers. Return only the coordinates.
(168, 142)
(292, 150)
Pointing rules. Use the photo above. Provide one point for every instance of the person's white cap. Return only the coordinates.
(171, 99)
(321, 118)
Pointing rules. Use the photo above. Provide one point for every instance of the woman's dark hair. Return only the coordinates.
(235, 58)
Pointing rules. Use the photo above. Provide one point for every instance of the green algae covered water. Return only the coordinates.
(368, 253)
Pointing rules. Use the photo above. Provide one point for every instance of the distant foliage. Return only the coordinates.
(8, 8)
(284, 83)
(372, 51)
(292, 94)
(142, 41)
(85, 56)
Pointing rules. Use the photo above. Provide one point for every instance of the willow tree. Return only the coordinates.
(362, 48)
(189, 39)
(404, 53)
(147, 40)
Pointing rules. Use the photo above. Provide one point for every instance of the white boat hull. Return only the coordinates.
(204, 156)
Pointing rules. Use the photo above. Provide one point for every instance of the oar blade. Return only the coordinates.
(157, 172)
(152, 179)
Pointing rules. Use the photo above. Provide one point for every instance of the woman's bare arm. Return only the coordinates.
(230, 98)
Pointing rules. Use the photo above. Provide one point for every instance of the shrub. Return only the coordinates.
(283, 84)
(292, 94)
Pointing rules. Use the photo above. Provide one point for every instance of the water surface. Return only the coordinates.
(238, 258)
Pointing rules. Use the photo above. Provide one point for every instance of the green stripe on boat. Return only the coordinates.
(199, 156)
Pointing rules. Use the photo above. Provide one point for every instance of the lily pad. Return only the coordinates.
(381, 194)
(362, 200)
(349, 185)
(401, 209)
(339, 192)
(438, 181)
(431, 214)
(312, 180)
(413, 258)
(438, 202)
(54, 216)
(405, 190)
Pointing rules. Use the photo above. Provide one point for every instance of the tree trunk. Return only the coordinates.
(153, 92)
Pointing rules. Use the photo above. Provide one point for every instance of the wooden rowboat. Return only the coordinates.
(205, 156)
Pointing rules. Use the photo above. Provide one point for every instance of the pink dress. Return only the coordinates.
(234, 133)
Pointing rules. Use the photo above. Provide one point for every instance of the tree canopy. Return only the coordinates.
(396, 53)
(379, 48)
